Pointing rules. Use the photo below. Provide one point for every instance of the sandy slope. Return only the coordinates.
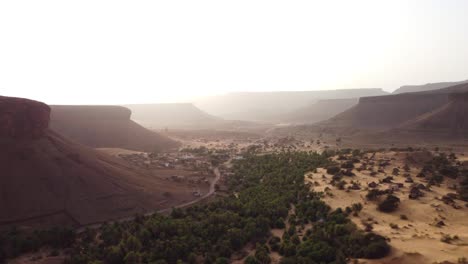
(417, 240)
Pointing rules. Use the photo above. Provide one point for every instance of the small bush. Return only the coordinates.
(390, 204)
(448, 239)
(333, 170)
(374, 194)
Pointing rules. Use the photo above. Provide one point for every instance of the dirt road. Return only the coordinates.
(208, 194)
(211, 191)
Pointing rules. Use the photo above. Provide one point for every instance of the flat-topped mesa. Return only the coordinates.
(90, 112)
(406, 97)
(22, 118)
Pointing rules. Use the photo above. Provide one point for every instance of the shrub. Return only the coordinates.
(390, 204)
(448, 239)
(341, 185)
(357, 207)
(333, 170)
(436, 179)
(373, 194)
(251, 260)
(222, 261)
(347, 165)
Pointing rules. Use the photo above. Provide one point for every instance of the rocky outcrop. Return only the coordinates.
(450, 119)
(22, 118)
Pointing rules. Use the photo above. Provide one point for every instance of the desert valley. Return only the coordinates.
(234, 132)
(392, 167)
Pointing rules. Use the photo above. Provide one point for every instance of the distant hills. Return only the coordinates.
(105, 126)
(171, 115)
(184, 116)
(48, 180)
(426, 87)
(319, 111)
(273, 106)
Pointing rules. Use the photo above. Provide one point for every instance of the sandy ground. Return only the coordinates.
(418, 239)
(118, 151)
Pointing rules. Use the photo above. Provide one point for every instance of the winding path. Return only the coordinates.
(208, 194)
(211, 191)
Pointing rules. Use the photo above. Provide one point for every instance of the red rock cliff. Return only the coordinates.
(22, 118)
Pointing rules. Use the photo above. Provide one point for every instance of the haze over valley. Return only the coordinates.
(212, 132)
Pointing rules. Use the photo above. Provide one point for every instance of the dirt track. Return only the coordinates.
(211, 191)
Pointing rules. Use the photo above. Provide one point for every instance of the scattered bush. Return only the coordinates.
(448, 239)
(333, 170)
(373, 194)
(390, 204)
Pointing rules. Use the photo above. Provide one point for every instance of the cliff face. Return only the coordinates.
(381, 113)
(23, 118)
(390, 111)
(105, 127)
(90, 112)
(449, 119)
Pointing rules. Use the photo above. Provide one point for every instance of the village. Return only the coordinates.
(194, 168)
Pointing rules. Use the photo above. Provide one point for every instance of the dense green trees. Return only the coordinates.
(264, 190)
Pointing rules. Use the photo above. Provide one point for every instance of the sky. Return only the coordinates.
(117, 52)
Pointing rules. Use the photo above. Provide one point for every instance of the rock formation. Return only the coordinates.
(22, 118)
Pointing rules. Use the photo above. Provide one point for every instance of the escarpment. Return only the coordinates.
(22, 118)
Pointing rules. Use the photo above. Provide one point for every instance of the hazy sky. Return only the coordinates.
(76, 52)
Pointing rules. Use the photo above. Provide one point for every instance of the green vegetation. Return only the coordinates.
(16, 242)
(265, 190)
(374, 194)
(332, 170)
(463, 187)
(390, 204)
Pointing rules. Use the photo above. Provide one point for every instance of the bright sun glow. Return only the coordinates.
(109, 52)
